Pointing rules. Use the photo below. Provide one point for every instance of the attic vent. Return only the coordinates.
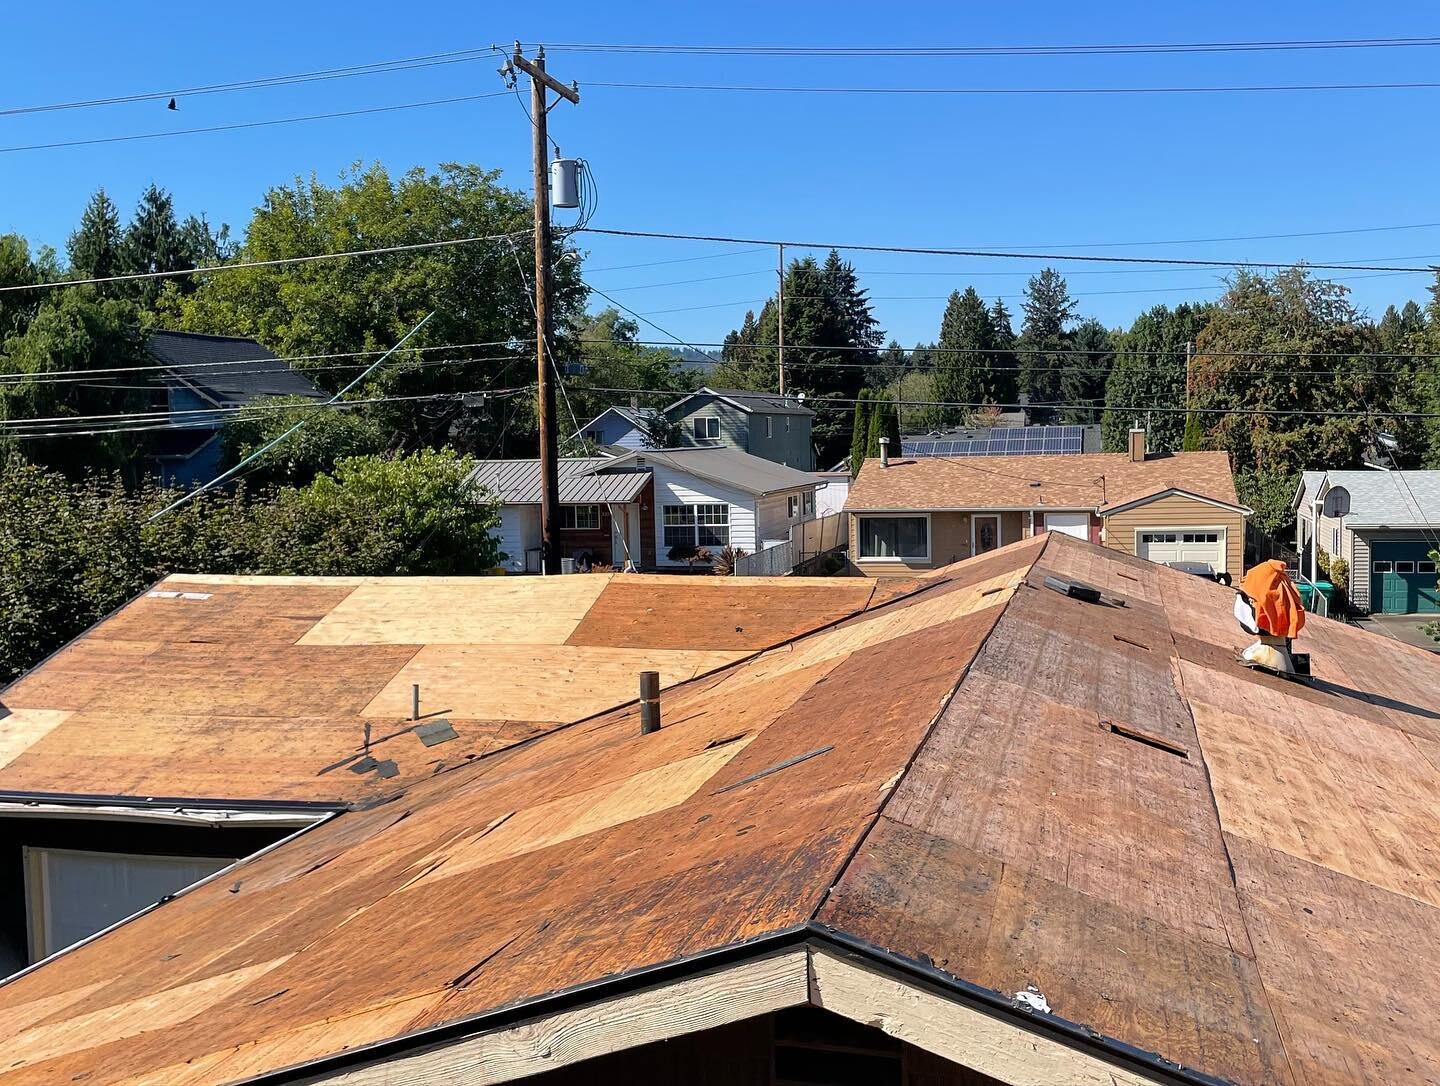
(434, 732)
(1074, 589)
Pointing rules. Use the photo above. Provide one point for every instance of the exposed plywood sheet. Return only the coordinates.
(23, 728)
(532, 682)
(225, 613)
(1274, 788)
(460, 611)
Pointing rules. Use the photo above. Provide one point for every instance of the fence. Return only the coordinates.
(808, 540)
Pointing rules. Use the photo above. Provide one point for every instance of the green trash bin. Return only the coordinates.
(1307, 590)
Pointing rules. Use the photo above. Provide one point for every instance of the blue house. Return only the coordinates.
(623, 427)
(206, 379)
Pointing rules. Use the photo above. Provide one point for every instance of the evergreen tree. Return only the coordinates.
(1194, 439)
(891, 367)
(1004, 383)
(875, 425)
(1092, 353)
(892, 426)
(962, 370)
(1048, 308)
(1149, 371)
(95, 248)
(859, 430)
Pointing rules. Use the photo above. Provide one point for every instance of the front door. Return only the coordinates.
(987, 534)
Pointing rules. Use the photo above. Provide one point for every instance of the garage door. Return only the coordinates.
(1402, 579)
(1200, 546)
(1076, 524)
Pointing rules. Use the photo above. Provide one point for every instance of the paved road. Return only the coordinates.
(1404, 628)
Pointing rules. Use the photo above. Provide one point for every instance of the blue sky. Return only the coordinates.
(1041, 172)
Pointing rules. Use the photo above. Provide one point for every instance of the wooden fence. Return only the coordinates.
(808, 540)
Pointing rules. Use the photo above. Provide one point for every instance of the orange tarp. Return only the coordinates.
(1278, 608)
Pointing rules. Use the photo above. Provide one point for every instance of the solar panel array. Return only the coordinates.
(1014, 441)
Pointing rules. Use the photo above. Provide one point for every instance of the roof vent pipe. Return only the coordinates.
(649, 702)
(884, 452)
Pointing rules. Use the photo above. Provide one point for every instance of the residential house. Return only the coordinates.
(977, 832)
(206, 379)
(916, 513)
(647, 508)
(624, 428)
(1003, 441)
(1384, 524)
(212, 717)
(763, 424)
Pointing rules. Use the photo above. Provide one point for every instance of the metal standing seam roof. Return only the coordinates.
(731, 467)
(517, 482)
(228, 369)
(1396, 499)
(1227, 874)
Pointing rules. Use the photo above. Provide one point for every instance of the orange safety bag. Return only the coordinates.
(1279, 610)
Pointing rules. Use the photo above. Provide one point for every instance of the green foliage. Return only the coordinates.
(1149, 371)
(1086, 369)
(859, 431)
(963, 366)
(1048, 308)
(154, 241)
(328, 435)
(70, 552)
(1269, 492)
(875, 424)
(1288, 343)
(1194, 439)
(95, 247)
(613, 358)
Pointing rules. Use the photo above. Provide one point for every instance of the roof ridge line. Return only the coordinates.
(924, 741)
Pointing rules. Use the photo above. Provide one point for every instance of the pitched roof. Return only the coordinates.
(732, 467)
(1010, 786)
(1166, 491)
(1084, 481)
(248, 688)
(639, 417)
(765, 403)
(228, 369)
(517, 482)
(1391, 498)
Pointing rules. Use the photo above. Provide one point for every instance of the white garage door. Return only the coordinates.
(1076, 524)
(1206, 547)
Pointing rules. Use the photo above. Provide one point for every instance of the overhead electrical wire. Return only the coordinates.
(247, 124)
(1098, 49)
(747, 88)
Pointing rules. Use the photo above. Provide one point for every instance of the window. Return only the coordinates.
(696, 525)
(74, 894)
(579, 517)
(1381, 567)
(807, 504)
(706, 427)
(1424, 567)
(1335, 541)
(793, 510)
(1158, 537)
(1200, 537)
(1404, 567)
(769, 426)
(894, 537)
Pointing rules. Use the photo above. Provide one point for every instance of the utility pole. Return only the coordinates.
(544, 335)
(1189, 357)
(780, 322)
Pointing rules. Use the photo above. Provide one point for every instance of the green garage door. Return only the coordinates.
(1402, 579)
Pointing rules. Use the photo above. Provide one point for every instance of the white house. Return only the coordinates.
(650, 508)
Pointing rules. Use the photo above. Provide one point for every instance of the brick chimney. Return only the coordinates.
(1137, 444)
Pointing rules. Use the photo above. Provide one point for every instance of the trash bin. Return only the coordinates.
(1307, 591)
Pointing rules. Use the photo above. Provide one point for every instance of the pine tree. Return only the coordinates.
(892, 426)
(962, 373)
(153, 242)
(859, 431)
(1048, 308)
(1194, 439)
(1004, 385)
(1091, 355)
(95, 248)
(1149, 371)
(875, 425)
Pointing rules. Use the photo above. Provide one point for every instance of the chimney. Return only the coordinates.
(1137, 443)
(649, 702)
(884, 452)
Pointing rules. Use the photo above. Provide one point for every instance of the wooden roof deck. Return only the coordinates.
(248, 688)
(952, 777)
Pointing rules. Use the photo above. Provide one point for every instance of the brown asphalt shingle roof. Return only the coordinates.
(1087, 481)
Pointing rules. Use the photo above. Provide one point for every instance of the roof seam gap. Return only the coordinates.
(920, 746)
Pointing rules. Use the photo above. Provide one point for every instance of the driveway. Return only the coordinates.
(1404, 628)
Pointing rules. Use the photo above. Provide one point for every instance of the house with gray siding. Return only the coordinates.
(1384, 528)
(623, 428)
(763, 424)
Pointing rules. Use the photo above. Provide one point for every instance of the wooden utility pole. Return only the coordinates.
(780, 321)
(544, 334)
(1189, 357)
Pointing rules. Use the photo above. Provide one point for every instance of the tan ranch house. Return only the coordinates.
(910, 514)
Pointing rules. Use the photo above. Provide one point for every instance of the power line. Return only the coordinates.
(278, 262)
(678, 260)
(375, 68)
(998, 254)
(248, 124)
(1001, 50)
(989, 91)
